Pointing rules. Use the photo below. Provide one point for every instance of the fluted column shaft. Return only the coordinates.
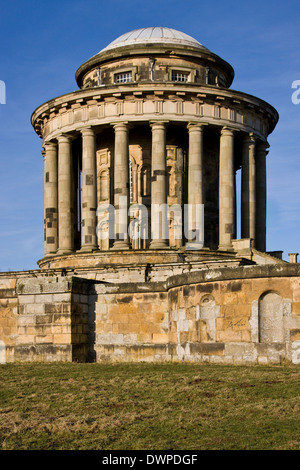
(248, 204)
(195, 185)
(121, 186)
(89, 190)
(261, 196)
(159, 222)
(65, 205)
(226, 190)
(50, 198)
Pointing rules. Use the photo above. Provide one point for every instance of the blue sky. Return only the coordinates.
(42, 45)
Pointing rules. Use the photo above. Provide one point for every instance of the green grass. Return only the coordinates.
(149, 407)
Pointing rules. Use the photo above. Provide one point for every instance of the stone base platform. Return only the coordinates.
(140, 265)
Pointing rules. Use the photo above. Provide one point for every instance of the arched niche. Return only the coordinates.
(270, 318)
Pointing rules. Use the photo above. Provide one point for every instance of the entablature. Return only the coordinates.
(180, 103)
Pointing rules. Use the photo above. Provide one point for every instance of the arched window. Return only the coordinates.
(270, 318)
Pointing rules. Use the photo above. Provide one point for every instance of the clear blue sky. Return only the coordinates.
(43, 43)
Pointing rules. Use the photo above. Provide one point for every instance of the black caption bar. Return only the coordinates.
(142, 458)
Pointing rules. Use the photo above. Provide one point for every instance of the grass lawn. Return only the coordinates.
(149, 407)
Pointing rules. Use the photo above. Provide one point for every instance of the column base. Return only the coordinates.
(158, 245)
(87, 249)
(225, 248)
(194, 246)
(120, 245)
(64, 252)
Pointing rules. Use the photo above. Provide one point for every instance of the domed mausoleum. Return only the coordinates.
(146, 258)
(153, 125)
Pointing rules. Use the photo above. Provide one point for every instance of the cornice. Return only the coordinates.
(183, 91)
(205, 97)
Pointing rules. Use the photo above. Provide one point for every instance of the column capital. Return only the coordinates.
(228, 131)
(49, 145)
(87, 131)
(64, 138)
(250, 138)
(158, 124)
(196, 126)
(120, 126)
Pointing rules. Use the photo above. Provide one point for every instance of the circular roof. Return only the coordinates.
(154, 35)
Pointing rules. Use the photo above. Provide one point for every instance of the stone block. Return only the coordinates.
(144, 308)
(228, 336)
(109, 339)
(108, 328)
(43, 299)
(295, 335)
(53, 308)
(27, 320)
(26, 339)
(295, 285)
(43, 319)
(56, 329)
(62, 338)
(160, 338)
(296, 308)
(60, 318)
(130, 339)
(26, 299)
(35, 309)
(66, 297)
(101, 308)
(42, 339)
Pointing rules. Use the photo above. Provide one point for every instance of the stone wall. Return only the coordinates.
(44, 318)
(131, 322)
(238, 315)
(228, 315)
(8, 317)
(236, 321)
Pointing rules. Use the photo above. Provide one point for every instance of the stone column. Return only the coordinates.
(159, 213)
(89, 190)
(195, 186)
(65, 206)
(248, 205)
(226, 190)
(50, 198)
(121, 186)
(261, 196)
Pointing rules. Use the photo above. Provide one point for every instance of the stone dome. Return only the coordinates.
(154, 35)
(154, 42)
